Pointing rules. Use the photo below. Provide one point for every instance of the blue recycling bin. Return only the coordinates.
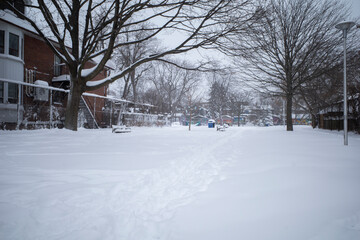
(211, 123)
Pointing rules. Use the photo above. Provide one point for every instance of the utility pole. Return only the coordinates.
(345, 27)
(190, 112)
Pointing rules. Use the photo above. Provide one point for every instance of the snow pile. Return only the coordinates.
(10, 17)
(41, 83)
(61, 78)
(169, 183)
(110, 64)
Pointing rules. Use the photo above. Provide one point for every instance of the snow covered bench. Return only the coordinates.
(220, 128)
(120, 129)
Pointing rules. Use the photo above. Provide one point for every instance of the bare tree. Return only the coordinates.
(354, 88)
(173, 83)
(289, 43)
(79, 36)
(192, 98)
(320, 93)
(130, 54)
(327, 89)
(219, 95)
(238, 101)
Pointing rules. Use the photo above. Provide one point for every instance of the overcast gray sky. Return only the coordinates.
(355, 8)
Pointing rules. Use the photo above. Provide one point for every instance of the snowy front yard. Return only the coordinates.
(169, 183)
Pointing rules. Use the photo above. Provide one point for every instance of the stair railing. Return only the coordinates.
(91, 114)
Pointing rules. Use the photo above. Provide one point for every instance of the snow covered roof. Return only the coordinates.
(200, 116)
(61, 78)
(11, 18)
(300, 115)
(110, 64)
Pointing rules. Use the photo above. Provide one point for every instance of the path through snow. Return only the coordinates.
(172, 184)
(63, 185)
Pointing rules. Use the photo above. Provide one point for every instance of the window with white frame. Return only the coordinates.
(1, 92)
(2, 41)
(22, 48)
(57, 66)
(12, 93)
(13, 44)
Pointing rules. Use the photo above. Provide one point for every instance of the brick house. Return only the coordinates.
(25, 57)
(225, 119)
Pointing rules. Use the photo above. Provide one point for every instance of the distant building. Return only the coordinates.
(225, 119)
(301, 119)
(197, 120)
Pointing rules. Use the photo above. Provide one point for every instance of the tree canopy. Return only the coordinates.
(80, 30)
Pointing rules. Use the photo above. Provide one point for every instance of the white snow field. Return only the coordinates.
(171, 184)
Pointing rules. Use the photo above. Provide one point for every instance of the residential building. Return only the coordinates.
(26, 58)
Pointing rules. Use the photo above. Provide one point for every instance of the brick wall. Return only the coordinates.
(37, 55)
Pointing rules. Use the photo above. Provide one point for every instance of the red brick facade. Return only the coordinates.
(39, 57)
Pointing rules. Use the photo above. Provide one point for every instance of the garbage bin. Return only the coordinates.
(211, 123)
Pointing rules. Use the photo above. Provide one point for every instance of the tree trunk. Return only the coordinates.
(190, 121)
(314, 122)
(72, 107)
(289, 123)
(133, 83)
(126, 88)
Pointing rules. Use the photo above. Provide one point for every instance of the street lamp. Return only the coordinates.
(345, 27)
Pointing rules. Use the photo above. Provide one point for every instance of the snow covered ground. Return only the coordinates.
(169, 183)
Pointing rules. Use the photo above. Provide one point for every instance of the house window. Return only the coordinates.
(1, 92)
(13, 44)
(57, 66)
(22, 48)
(2, 41)
(12, 93)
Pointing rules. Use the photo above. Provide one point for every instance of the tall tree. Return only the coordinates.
(173, 83)
(130, 54)
(219, 97)
(238, 101)
(321, 92)
(192, 98)
(289, 43)
(80, 26)
(327, 89)
(354, 88)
